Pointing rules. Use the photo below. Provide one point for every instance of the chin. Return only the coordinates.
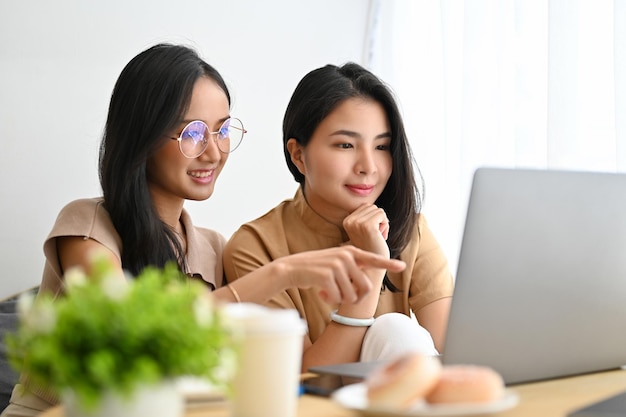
(199, 196)
(355, 204)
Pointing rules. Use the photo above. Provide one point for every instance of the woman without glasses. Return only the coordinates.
(167, 137)
(345, 144)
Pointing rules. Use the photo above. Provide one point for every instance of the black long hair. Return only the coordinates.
(316, 96)
(149, 99)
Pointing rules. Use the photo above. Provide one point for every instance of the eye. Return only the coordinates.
(383, 147)
(196, 135)
(344, 145)
(194, 131)
(223, 132)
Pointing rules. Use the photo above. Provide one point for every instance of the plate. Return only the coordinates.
(355, 397)
(199, 392)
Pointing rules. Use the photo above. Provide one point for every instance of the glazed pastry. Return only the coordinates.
(466, 384)
(403, 381)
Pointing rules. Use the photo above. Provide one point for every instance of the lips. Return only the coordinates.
(200, 174)
(361, 189)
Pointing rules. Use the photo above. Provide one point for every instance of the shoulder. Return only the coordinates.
(82, 207)
(267, 225)
(421, 238)
(274, 216)
(211, 237)
(86, 218)
(89, 219)
(421, 224)
(83, 214)
(257, 242)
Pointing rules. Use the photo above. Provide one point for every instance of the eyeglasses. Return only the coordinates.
(194, 138)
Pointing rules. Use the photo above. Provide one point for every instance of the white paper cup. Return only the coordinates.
(270, 355)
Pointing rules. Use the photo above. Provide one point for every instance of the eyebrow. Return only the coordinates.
(356, 135)
(222, 120)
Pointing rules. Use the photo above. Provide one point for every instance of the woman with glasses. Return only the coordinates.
(167, 137)
(345, 144)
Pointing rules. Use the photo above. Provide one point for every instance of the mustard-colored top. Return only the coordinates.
(293, 227)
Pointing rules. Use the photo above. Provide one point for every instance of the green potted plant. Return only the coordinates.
(106, 341)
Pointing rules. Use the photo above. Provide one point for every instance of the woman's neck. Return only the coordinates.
(326, 214)
(169, 210)
(171, 215)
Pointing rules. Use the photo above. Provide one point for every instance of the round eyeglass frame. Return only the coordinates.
(219, 136)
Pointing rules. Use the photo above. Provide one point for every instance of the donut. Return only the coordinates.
(466, 384)
(403, 381)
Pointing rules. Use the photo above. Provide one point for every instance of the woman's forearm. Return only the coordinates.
(258, 286)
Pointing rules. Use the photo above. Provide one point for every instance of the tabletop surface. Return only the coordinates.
(553, 398)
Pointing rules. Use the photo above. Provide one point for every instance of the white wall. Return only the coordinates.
(59, 60)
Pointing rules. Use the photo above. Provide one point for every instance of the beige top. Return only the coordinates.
(293, 227)
(88, 218)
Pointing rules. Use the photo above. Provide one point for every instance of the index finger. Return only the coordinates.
(372, 260)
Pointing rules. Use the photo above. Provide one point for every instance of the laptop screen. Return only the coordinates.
(541, 281)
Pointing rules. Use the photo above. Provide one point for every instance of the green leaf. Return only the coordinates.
(101, 336)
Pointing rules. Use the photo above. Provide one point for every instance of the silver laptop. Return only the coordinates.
(541, 282)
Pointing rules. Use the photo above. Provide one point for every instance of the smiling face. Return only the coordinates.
(347, 161)
(172, 176)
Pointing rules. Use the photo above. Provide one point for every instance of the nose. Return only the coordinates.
(212, 152)
(366, 162)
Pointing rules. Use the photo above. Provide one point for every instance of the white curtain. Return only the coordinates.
(509, 83)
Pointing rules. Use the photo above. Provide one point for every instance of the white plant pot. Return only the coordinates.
(161, 400)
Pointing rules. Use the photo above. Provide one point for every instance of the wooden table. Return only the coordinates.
(554, 398)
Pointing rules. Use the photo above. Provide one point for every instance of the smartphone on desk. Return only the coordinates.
(324, 385)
